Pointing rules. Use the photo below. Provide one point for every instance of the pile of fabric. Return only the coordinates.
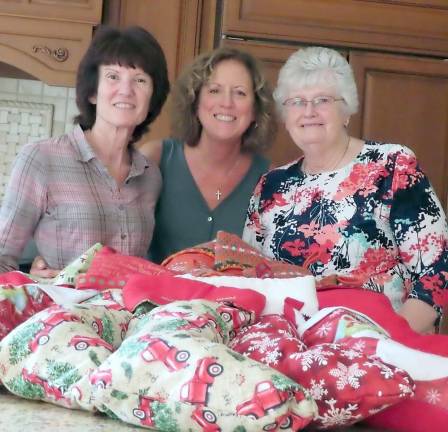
(217, 338)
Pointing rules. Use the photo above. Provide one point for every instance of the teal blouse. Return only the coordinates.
(183, 218)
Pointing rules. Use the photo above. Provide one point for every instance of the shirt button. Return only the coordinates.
(123, 236)
(121, 207)
(209, 219)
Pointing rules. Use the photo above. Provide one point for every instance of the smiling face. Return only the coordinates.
(316, 128)
(226, 102)
(123, 96)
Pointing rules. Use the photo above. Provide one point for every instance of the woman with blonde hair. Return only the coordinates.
(223, 118)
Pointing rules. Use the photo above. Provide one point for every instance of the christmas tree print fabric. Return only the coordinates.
(21, 295)
(166, 368)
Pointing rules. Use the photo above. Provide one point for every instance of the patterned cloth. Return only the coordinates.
(166, 370)
(377, 220)
(60, 193)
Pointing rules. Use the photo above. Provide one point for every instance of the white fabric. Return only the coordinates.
(302, 288)
(322, 313)
(63, 295)
(419, 365)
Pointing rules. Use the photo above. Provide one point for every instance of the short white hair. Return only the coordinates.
(317, 66)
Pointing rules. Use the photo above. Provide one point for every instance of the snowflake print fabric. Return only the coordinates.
(346, 379)
(270, 341)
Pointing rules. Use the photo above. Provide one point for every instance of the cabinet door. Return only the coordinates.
(175, 25)
(398, 25)
(87, 11)
(272, 57)
(405, 100)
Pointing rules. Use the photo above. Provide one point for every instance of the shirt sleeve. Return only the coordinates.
(420, 229)
(23, 204)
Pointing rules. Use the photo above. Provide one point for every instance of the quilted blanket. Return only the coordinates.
(166, 369)
(174, 354)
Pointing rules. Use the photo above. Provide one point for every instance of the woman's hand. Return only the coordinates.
(420, 315)
(40, 268)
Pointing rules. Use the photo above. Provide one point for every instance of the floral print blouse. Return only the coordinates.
(376, 220)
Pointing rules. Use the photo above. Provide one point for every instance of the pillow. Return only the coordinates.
(171, 374)
(45, 357)
(200, 258)
(276, 291)
(110, 269)
(428, 409)
(334, 323)
(15, 278)
(19, 302)
(22, 296)
(347, 384)
(378, 308)
(79, 266)
(270, 341)
(232, 254)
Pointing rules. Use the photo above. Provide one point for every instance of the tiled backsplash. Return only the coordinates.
(62, 99)
(20, 123)
(31, 110)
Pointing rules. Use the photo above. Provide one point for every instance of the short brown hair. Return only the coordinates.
(132, 47)
(185, 122)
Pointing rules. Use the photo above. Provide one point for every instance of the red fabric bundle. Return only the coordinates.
(111, 269)
(412, 415)
(164, 288)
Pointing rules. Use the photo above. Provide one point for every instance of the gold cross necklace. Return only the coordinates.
(219, 192)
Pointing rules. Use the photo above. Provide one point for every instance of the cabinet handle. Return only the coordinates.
(58, 54)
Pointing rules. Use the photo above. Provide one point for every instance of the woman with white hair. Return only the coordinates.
(357, 211)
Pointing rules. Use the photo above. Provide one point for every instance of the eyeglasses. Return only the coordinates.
(319, 102)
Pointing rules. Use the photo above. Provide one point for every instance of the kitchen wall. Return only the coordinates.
(31, 110)
(62, 99)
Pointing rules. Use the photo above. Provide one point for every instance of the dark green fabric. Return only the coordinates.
(183, 218)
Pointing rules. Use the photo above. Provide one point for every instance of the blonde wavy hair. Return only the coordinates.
(185, 123)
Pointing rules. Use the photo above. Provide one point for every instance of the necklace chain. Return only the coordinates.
(333, 167)
(218, 192)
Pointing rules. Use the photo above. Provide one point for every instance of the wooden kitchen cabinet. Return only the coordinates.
(418, 26)
(85, 11)
(47, 38)
(176, 24)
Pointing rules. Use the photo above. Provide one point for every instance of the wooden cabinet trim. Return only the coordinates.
(398, 26)
(29, 44)
(86, 11)
(189, 32)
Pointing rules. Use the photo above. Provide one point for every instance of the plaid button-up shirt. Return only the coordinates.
(63, 196)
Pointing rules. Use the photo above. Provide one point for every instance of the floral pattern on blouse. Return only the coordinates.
(377, 220)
